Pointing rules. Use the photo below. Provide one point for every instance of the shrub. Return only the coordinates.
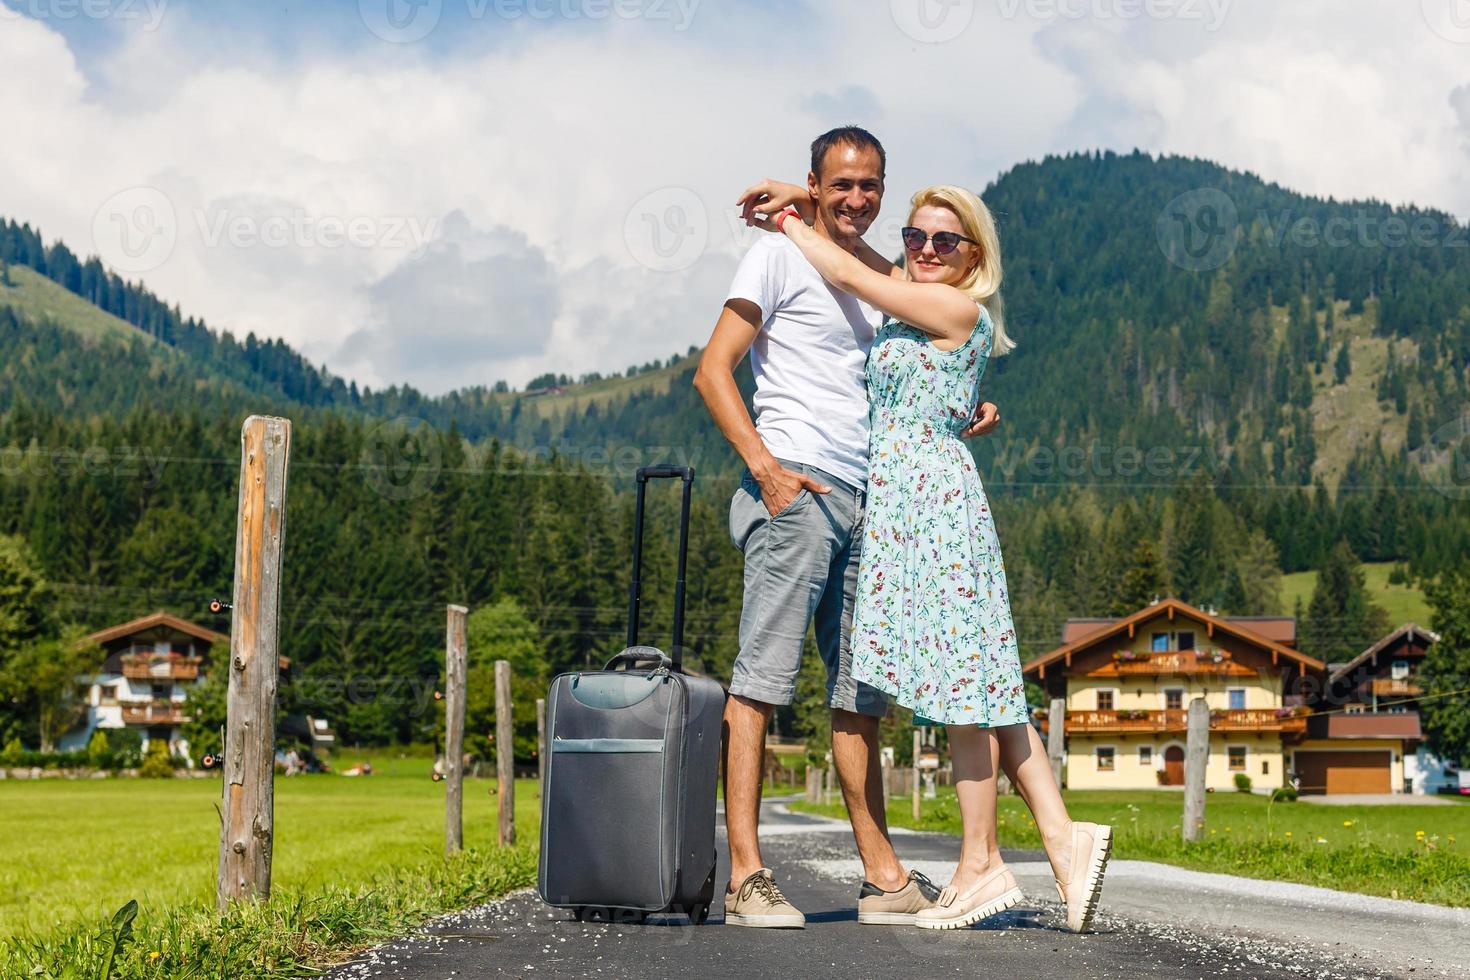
(1242, 783)
(10, 755)
(1283, 794)
(156, 764)
(126, 746)
(99, 753)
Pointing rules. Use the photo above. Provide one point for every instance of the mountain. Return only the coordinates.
(1205, 397)
(50, 286)
(1317, 330)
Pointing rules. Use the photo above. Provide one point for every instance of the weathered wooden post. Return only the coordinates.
(247, 808)
(540, 747)
(1056, 737)
(831, 783)
(454, 703)
(1196, 760)
(914, 771)
(813, 784)
(505, 753)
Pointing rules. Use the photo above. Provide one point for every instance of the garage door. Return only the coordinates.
(1343, 772)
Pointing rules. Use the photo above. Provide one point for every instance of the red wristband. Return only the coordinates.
(788, 213)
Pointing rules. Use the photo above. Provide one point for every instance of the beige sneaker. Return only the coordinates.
(1092, 844)
(993, 893)
(896, 908)
(759, 903)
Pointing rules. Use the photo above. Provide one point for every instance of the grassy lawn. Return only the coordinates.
(1403, 603)
(1376, 850)
(77, 850)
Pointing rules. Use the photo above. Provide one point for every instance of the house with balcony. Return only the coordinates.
(1128, 683)
(1364, 734)
(1275, 713)
(143, 682)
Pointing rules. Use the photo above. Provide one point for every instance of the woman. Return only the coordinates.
(932, 625)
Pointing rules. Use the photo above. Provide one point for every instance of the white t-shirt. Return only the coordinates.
(811, 396)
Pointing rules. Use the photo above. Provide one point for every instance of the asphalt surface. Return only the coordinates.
(1166, 923)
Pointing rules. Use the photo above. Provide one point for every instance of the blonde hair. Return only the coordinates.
(982, 283)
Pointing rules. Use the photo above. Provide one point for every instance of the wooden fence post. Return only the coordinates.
(540, 747)
(505, 753)
(914, 770)
(1196, 760)
(1056, 737)
(813, 784)
(247, 808)
(454, 704)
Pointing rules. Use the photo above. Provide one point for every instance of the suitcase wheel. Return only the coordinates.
(699, 914)
(599, 913)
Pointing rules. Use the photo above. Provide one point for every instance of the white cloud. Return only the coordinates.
(557, 145)
(474, 299)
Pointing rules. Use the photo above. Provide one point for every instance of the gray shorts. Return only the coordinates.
(800, 565)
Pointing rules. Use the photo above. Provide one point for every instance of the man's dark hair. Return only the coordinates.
(854, 136)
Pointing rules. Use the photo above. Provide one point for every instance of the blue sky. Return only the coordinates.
(449, 192)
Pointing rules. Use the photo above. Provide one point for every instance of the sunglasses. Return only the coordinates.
(945, 242)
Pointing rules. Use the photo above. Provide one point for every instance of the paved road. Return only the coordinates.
(1155, 922)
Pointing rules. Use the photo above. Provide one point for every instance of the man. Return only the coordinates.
(798, 518)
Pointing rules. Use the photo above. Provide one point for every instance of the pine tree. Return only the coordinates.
(1446, 715)
(1143, 582)
(1341, 619)
(1344, 365)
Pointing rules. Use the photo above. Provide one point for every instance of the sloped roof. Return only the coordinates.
(1281, 629)
(1408, 630)
(152, 621)
(1165, 607)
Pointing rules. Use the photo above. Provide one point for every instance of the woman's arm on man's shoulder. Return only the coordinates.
(937, 309)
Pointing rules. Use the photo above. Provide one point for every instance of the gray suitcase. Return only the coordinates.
(628, 809)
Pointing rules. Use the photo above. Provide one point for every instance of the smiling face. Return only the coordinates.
(849, 190)
(927, 265)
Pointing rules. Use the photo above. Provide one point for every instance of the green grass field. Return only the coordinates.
(77, 850)
(1404, 603)
(1376, 850)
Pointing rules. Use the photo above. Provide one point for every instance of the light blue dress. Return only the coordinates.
(932, 620)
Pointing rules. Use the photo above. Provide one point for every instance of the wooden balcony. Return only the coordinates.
(1124, 721)
(1126, 663)
(161, 667)
(154, 713)
(1385, 687)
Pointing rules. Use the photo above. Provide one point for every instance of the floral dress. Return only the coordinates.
(932, 621)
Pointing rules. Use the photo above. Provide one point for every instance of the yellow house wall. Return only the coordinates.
(1142, 691)
(1261, 748)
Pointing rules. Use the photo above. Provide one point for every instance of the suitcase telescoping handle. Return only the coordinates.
(663, 471)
